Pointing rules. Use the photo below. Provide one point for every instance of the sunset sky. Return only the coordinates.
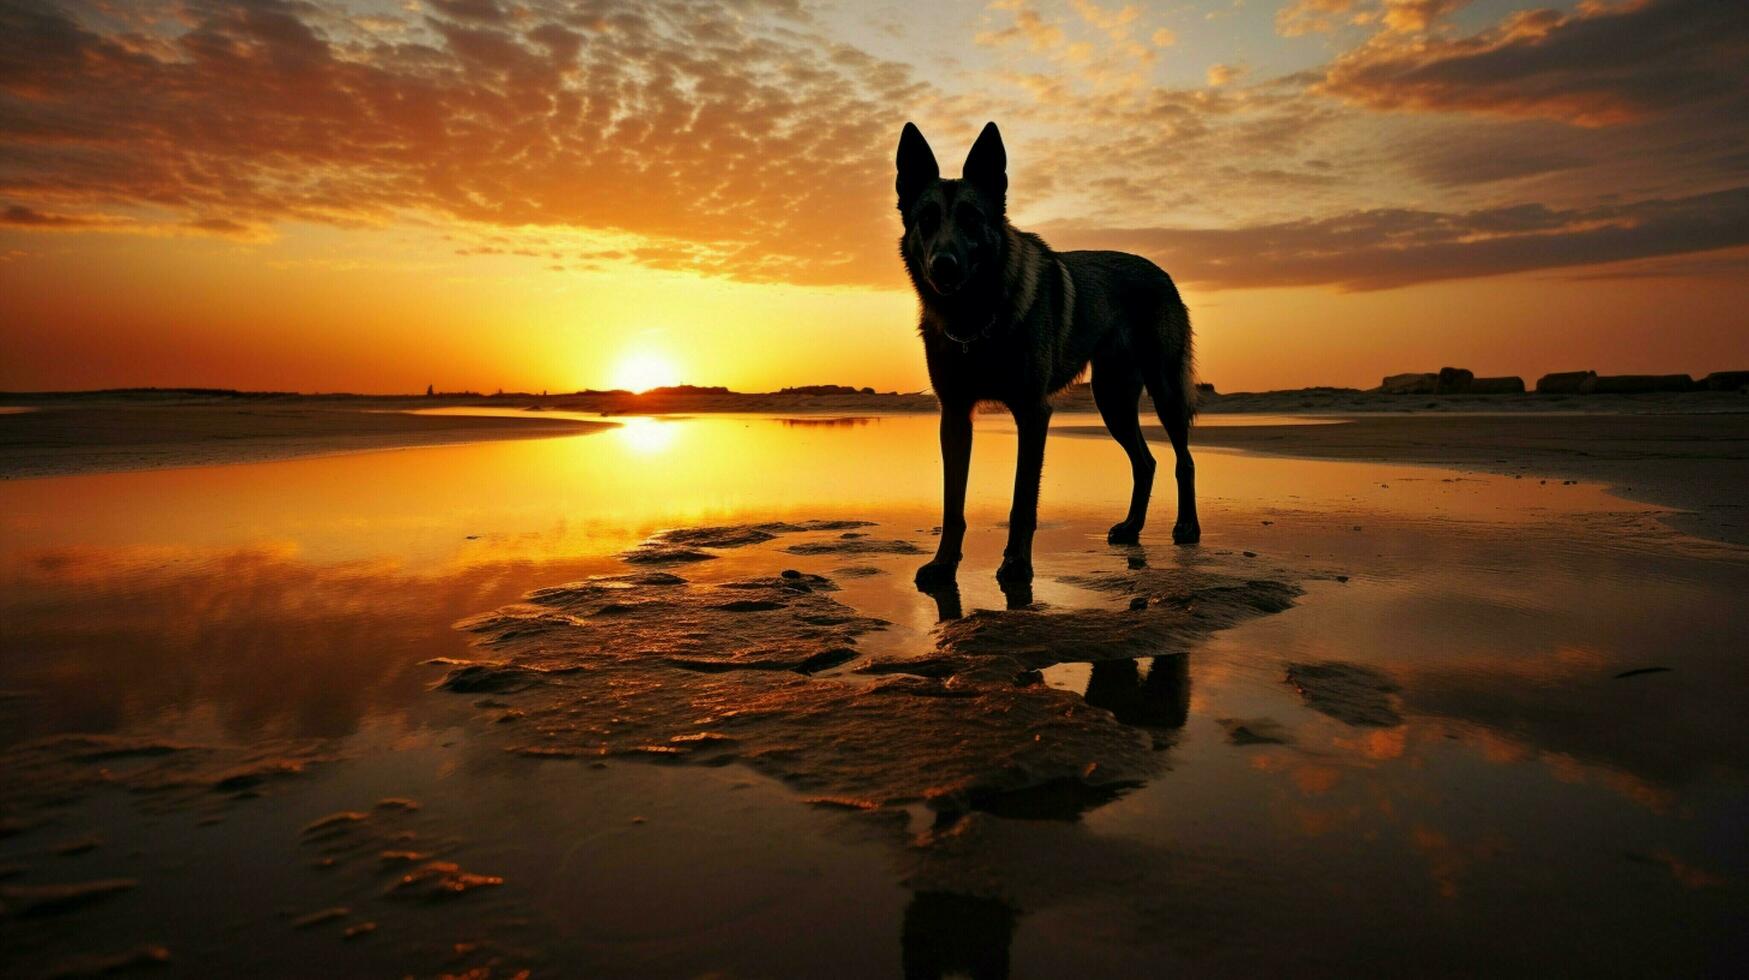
(373, 196)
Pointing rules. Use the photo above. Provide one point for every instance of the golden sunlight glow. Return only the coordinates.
(643, 370)
(645, 436)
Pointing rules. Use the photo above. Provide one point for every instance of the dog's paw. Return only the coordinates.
(1186, 532)
(1014, 571)
(1124, 532)
(936, 575)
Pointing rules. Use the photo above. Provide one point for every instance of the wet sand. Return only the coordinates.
(638, 704)
(1697, 464)
(85, 438)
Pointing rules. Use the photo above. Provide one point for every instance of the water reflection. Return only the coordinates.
(234, 645)
(947, 601)
(951, 935)
(1152, 694)
(645, 436)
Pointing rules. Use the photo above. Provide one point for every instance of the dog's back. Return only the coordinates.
(1131, 309)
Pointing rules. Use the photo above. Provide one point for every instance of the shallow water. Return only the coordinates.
(1427, 764)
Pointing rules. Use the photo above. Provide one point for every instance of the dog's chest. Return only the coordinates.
(986, 369)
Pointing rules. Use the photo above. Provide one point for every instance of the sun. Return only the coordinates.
(644, 370)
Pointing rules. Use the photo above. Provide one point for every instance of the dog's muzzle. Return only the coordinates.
(946, 274)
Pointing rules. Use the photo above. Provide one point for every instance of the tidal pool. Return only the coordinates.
(1498, 727)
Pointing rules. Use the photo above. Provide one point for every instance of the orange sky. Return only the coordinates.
(373, 196)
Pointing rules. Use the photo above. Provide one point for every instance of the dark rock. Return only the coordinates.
(1726, 381)
(1410, 384)
(1511, 385)
(1454, 381)
(1639, 384)
(1565, 382)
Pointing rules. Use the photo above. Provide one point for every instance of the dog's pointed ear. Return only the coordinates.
(987, 163)
(917, 166)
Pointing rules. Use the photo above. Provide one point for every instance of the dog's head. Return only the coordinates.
(953, 228)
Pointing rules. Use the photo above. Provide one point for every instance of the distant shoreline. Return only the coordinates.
(838, 400)
(105, 437)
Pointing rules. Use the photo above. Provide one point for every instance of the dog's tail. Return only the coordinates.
(1180, 364)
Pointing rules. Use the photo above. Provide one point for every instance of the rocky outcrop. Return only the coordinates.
(1454, 381)
(1726, 381)
(1510, 385)
(1449, 381)
(1637, 384)
(1410, 384)
(1565, 382)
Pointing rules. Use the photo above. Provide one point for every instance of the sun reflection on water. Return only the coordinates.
(646, 436)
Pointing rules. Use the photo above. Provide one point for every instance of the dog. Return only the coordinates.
(1004, 318)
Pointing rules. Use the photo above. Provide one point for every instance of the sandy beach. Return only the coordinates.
(628, 700)
(122, 434)
(1695, 463)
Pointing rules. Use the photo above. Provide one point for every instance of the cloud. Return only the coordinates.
(21, 216)
(1219, 75)
(1383, 249)
(1466, 158)
(18, 214)
(1101, 48)
(482, 11)
(1414, 16)
(1600, 66)
(1029, 28)
(739, 131)
(741, 141)
(1302, 17)
(1311, 16)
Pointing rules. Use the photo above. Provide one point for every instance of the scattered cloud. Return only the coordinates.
(739, 131)
(1219, 75)
(1312, 17)
(1601, 65)
(747, 141)
(1382, 249)
(21, 216)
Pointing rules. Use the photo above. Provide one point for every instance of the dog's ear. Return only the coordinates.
(917, 166)
(987, 164)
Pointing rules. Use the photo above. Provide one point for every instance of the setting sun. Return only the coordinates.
(643, 370)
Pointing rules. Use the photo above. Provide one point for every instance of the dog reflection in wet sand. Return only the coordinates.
(948, 934)
(1007, 319)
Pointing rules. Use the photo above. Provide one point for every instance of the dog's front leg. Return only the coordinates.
(956, 461)
(1032, 422)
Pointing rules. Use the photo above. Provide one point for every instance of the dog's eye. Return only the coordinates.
(969, 219)
(928, 219)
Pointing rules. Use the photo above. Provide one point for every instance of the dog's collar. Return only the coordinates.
(966, 342)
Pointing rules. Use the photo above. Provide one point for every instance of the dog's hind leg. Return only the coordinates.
(1171, 383)
(1116, 389)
